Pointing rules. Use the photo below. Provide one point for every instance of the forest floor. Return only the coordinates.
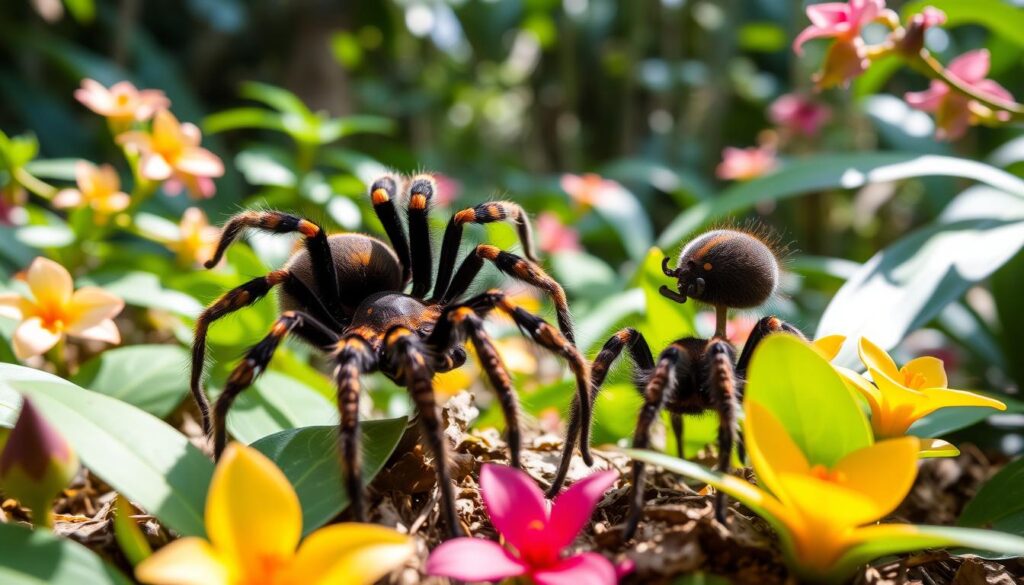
(678, 535)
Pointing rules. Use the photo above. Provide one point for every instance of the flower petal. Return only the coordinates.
(13, 306)
(105, 331)
(771, 449)
(829, 504)
(930, 368)
(473, 559)
(590, 568)
(90, 305)
(929, 100)
(572, 509)
(937, 448)
(810, 33)
(943, 397)
(829, 345)
(972, 66)
(49, 282)
(154, 167)
(828, 14)
(31, 338)
(186, 561)
(884, 471)
(876, 358)
(66, 198)
(351, 553)
(251, 510)
(199, 162)
(514, 503)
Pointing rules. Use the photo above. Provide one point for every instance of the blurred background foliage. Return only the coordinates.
(308, 101)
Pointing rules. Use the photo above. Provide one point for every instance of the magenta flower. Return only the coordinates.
(538, 532)
(847, 58)
(555, 236)
(744, 164)
(799, 114)
(955, 112)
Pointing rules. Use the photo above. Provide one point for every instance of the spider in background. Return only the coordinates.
(343, 293)
(724, 268)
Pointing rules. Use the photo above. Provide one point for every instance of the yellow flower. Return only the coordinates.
(254, 525)
(197, 239)
(98, 187)
(904, 395)
(122, 104)
(172, 151)
(56, 309)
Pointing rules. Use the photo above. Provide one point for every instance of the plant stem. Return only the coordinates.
(930, 66)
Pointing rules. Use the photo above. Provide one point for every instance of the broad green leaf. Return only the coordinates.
(907, 284)
(277, 402)
(1001, 497)
(338, 128)
(832, 171)
(54, 168)
(243, 119)
(947, 420)
(151, 377)
(309, 459)
(789, 378)
(10, 406)
(37, 557)
(1000, 17)
(902, 127)
(143, 289)
(620, 208)
(278, 98)
(138, 454)
(1005, 286)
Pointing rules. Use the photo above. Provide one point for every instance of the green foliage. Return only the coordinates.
(999, 503)
(32, 557)
(148, 377)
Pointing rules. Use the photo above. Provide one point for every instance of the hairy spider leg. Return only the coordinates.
(229, 302)
(256, 361)
(481, 214)
(725, 398)
(421, 191)
(640, 353)
(315, 238)
(456, 324)
(763, 328)
(382, 194)
(519, 268)
(409, 354)
(354, 357)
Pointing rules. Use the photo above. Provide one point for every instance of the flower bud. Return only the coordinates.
(912, 40)
(844, 61)
(36, 463)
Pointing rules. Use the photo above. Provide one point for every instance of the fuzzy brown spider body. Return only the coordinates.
(725, 268)
(346, 295)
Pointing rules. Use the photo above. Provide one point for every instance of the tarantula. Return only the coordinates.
(723, 268)
(343, 293)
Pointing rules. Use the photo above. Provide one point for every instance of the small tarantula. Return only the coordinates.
(343, 293)
(723, 268)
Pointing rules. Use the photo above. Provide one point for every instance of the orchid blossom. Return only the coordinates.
(586, 190)
(744, 164)
(254, 525)
(842, 21)
(122, 104)
(953, 111)
(98, 187)
(799, 114)
(538, 532)
(171, 152)
(56, 309)
(555, 236)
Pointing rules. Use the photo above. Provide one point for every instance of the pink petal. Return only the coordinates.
(31, 338)
(862, 12)
(66, 198)
(828, 14)
(200, 162)
(589, 568)
(972, 66)
(809, 33)
(515, 505)
(928, 100)
(573, 508)
(993, 89)
(571, 183)
(473, 559)
(105, 331)
(154, 167)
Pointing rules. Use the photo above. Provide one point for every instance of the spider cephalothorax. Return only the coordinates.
(344, 294)
(723, 268)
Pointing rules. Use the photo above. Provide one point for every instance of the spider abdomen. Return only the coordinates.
(737, 269)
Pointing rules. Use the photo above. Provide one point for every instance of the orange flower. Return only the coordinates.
(98, 187)
(744, 164)
(197, 239)
(122, 103)
(172, 151)
(587, 189)
(56, 309)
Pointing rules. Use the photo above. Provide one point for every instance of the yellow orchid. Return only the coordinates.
(254, 524)
(901, 396)
(56, 309)
(98, 187)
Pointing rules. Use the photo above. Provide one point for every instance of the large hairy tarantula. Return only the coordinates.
(723, 268)
(344, 294)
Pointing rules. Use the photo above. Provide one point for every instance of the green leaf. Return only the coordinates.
(277, 402)
(81, 10)
(35, 557)
(947, 420)
(278, 98)
(150, 377)
(664, 320)
(10, 406)
(1001, 17)
(338, 128)
(128, 534)
(1000, 497)
(797, 385)
(904, 286)
(309, 459)
(620, 208)
(138, 454)
(832, 171)
(243, 119)
(597, 323)
(144, 289)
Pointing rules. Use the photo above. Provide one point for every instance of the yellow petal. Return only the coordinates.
(252, 512)
(90, 306)
(187, 561)
(49, 282)
(937, 448)
(884, 472)
(829, 504)
(875, 358)
(771, 449)
(829, 345)
(860, 385)
(166, 129)
(31, 338)
(937, 398)
(927, 371)
(350, 553)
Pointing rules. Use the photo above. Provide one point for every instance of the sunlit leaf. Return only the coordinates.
(130, 538)
(1000, 498)
(1001, 17)
(242, 119)
(34, 557)
(150, 377)
(277, 402)
(278, 98)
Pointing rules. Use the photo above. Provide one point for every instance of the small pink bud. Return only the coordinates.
(913, 37)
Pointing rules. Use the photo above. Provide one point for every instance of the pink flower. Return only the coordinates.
(555, 236)
(953, 111)
(98, 187)
(448, 189)
(743, 164)
(799, 114)
(172, 151)
(587, 189)
(847, 58)
(122, 103)
(536, 530)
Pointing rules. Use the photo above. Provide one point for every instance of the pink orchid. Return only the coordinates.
(799, 114)
(847, 58)
(743, 164)
(955, 112)
(536, 530)
(555, 236)
(589, 188)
